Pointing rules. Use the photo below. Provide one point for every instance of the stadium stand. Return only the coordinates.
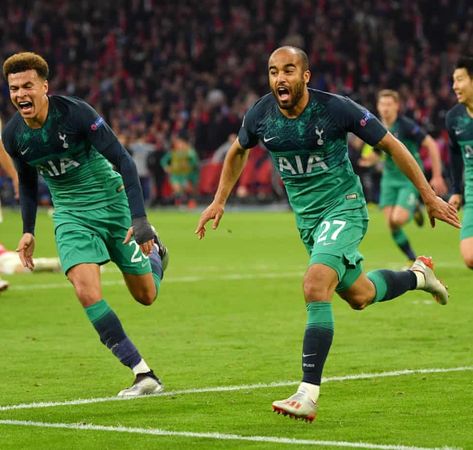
(154, 68)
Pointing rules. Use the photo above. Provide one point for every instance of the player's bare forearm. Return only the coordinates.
(437, 181)
(233, 165)
(434, 154)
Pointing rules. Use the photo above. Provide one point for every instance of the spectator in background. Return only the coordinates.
(140, 150)
(256, 180)
(127, 59)
(219, 154)
(157, 173)
(182, 166)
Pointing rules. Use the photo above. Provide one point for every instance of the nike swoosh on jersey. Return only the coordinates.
(24, 151)
(265, 139)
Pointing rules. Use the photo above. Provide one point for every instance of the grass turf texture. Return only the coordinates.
(231, 313)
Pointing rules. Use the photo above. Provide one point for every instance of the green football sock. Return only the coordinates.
(390, 284)
(401, 240)
(317, 340)
(111, 333)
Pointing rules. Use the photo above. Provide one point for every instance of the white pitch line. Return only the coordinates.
(188, 279)
(197, 278)
(215, 436)
(243, 387)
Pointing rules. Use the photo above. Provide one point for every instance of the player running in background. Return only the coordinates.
(459, 122)
(71, 146)
(398, 195)
(305, 131)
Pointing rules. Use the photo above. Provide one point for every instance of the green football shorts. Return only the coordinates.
(405, 196)
(467, 222)
(334, 241)
(96, 236)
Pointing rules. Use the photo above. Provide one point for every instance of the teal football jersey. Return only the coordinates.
(460, 130)
(64, 151)
(310, 152)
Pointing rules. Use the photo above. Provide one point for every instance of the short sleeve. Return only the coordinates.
(354, 118)
(247, 135)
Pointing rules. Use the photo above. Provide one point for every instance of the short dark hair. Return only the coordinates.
(301, 53)
(21, 62)
(466, 62)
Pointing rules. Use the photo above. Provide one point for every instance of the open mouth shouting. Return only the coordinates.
(283, 94)
(25, 107)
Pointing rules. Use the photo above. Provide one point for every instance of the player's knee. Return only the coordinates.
(315, 291)
(146, 296)
(86, 295)
(358, 303)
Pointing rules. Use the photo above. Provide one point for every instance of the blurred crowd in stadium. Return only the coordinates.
(174, 78)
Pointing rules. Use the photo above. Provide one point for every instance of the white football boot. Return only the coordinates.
(144, 384)
(427, 281)
(298, 406)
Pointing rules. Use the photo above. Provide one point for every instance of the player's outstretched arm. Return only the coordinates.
(233, 165)
(437, 181)
(435, 206)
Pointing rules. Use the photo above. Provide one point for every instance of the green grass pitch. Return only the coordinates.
(231, 315)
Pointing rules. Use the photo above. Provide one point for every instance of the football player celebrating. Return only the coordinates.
(459, 122)
(305, 131)
(99, 213)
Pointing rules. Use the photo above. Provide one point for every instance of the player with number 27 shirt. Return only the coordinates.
(305, 131)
